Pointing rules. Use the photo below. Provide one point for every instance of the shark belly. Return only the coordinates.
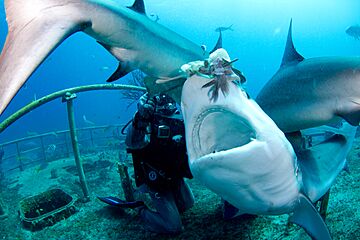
(237, 151)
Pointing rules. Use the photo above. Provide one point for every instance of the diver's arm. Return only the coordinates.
(137, 136)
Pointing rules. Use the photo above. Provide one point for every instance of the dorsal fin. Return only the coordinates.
(290, 53)
(218, 43)
(138, 6)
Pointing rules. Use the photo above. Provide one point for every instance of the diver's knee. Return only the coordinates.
(172, 219)
(174, 225)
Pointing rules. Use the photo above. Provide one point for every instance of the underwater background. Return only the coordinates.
(257, 38)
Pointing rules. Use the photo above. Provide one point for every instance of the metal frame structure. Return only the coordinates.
(68, 96)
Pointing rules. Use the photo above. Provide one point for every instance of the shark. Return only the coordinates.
(222, 29)
(313, 95)
(238, 152)
(353, 31)
(37, 27)
(306, 93)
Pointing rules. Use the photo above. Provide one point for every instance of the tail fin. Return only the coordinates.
(35, 29)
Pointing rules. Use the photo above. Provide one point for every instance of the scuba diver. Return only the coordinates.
(156, 140)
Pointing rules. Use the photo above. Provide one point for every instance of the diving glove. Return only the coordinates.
(146, 106)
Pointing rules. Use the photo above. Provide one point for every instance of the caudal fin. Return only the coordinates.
(35, 29)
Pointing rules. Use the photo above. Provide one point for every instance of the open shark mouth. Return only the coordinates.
(227, 157)
(236, 150)
(221, 138)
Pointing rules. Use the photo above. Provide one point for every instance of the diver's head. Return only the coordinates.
(165, 105)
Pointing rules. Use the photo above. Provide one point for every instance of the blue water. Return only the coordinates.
(258, 40)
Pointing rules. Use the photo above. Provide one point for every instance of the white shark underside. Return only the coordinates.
(307, 93)
(247, 147)
(37, 27)
(238, 152)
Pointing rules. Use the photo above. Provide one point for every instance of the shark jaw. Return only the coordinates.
(238, 152)
(37, 27)
(234, 148)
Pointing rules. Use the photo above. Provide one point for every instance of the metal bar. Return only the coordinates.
(43, 148)
(37, 103)
(21, 166)
(68, 98)
(92, 138)
(57, 132)
(66, 145)
(324, 204)
(126, 182)
(65, 142)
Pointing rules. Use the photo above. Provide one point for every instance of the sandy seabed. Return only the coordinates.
(95, 220)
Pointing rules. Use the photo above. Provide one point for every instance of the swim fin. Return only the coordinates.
(116, 202)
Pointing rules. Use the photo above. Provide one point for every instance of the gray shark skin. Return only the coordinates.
(37, 27)
(307, 93)
(310, 93)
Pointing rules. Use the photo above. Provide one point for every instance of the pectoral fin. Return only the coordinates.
(306, 216)
(122, 69)
(124, 66)
(172, 88)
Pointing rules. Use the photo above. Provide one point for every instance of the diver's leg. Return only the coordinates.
(166, 219)
(183, 195)
(229, 210)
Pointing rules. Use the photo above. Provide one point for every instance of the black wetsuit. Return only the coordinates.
(161, 164)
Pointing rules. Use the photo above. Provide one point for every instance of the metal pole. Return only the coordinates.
(21, 167)
(126, 182)
(68, 98)
(34, 104)
(92, 139)
(324, 204)
(43, 151)
(66, 145)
